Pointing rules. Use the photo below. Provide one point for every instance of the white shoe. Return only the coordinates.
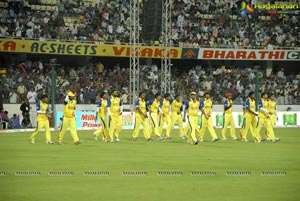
(201, 140)
(95, 137)
(268, 139)
(117, 139)
(244, 140)
(32, 141)
(224, 139)
(160, 138)
(257, 141)
(276, 140)
(235, 138)
(183, 137)
(50, 142)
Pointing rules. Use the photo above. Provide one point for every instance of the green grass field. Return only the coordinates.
(173, 159)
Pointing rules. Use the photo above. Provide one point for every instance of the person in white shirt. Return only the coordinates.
(31, 95)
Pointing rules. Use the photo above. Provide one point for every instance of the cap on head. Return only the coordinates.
(70, 93)
(228, 94)
(193, 93)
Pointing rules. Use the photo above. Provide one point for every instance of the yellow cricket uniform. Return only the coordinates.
(206, 105)
(263, 119)
(42, 121)
(192, 108)
(176, 107)
(228, 119)
(153, 106)
(249, 120)
(272, 111)
(165, 118)
(102, 114)
(69, 120)
(115, 124)
(140, 119)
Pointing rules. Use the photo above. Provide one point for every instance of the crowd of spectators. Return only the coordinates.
(30, 79)
(195, 23)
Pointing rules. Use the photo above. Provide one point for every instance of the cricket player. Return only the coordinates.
(191, 112)
(177, 108)
(154, 110)
(141, 118)
(206, 118)
(115, 109)
(42, 119)
(102, 114)
(250, 117)
(272, 113)
(264, 119)
(228, 118)
(69, 119)
(165, 115)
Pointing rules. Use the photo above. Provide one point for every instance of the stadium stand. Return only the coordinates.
(195, 23)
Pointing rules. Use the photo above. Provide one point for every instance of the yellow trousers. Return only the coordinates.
(40, 125)
(68, 122)
(115, 127)
(193, 126)
(272, 121)
(269, 128)
(104, 128)
(154, 121)
(177, 118)
(207, 123)
(165, 119)
(138, 122)
(249, 123)
(228, 120)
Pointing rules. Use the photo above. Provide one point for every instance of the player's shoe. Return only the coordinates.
(257, 141)
(215, 140)
(235, 138)
(149, 139)
(50, 142)
(167, 138)
(183, 137)
(78, 142)
(32, 141)
(201, 140)
(195, 143)
(276, 140)
(160, 138)
(244, 140)
(95, 137)
(117, 139)
(134, 139)
(224, 139)
(60, 142)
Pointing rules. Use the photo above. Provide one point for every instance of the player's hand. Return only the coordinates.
(145, 115)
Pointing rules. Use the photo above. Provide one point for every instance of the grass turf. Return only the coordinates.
(168, 165)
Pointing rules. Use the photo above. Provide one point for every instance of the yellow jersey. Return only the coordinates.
(262, 103)
(165, 106)
(272, 107)
(140, 103)
(69, 109)
(206, 105)
(249, 104)
(228, 106)
(153, 105)
(41, 109)
(102, 107)
(192, 107)
(176, 106)
(114, 103)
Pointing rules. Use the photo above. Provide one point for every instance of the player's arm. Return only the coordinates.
(262, 109)
(98, 108)
(121, 107)
(160, 106)
(137, 107)
(108, 107)
(226, 105)
(201, 107)
(185, 107)
(38, 108)
(247, 108)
